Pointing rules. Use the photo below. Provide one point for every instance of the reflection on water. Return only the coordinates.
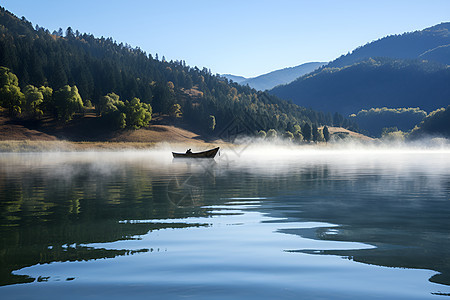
(263, 224)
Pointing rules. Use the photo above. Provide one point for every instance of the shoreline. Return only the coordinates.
(23, 146)
(33, 146)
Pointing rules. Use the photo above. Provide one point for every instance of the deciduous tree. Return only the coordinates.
(212, 123)
(33, 101)
(138, 114)
(271, 134)
(262, 134)
(175, 111)
(11, 97)
(67, 101)
(288, 135)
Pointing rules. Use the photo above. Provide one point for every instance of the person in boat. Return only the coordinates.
(188, 151)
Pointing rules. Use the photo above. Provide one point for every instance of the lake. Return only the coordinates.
(271, 223)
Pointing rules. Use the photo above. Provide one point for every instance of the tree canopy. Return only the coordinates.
(375, 119)
(437, 123)
(101, 66)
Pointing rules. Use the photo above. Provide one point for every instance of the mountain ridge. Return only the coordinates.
(408, 45)
(274, 78)
(416, 74)
(380, 82)
(235, 78)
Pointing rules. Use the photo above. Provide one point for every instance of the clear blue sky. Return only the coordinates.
(240, 37)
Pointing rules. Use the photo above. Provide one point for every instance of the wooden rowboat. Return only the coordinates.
(205, 154)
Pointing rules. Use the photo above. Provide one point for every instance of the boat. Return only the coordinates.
(204, 154)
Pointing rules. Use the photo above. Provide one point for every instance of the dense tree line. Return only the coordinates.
(33, 101)
(437, 123)
(301, 134)
(99, 67)
(65, 102)
(373, 121)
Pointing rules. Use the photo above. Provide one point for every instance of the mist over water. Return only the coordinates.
(257, 222)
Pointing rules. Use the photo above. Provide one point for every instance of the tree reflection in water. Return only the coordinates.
(52, 212)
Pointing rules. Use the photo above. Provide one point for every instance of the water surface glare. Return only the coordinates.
(252, 224)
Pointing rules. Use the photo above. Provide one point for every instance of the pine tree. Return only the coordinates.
(326, 133)
(307, 132)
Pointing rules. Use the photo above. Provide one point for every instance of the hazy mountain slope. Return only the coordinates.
(283, 76)
(372, 83)
(405, 46)
(235, 78)
(440, 54)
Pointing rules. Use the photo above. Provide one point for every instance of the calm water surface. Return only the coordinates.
(271, 224)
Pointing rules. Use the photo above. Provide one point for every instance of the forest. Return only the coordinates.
(437, 123)
(372, 122)
(61, 73)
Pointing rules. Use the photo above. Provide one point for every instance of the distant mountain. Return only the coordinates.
(409, 45)
(398, 71)
(372, 83)
(235, 78)
(283, 76)
(274, 78)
